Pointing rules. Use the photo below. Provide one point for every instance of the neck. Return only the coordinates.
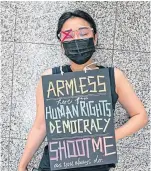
(77, 67)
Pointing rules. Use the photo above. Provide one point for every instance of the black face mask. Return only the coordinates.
(79, 50)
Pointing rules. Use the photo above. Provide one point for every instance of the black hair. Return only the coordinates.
(77, 13)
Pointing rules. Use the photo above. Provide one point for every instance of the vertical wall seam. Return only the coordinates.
(114, 32)
(11, 90)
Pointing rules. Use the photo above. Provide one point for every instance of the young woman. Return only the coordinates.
(78, 37)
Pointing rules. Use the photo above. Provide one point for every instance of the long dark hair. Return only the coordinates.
(77, 13)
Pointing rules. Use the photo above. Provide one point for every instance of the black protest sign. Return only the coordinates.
(79, 119)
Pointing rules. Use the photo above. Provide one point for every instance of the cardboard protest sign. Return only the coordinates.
(79, 119)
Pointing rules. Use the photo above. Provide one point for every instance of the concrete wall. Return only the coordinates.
(29, 47)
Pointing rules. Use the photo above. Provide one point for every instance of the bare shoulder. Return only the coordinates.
(39, 85)
(47, 72)
(40, 119)
(128, 97)
(118, 73)
(123, 84)
(119, 76)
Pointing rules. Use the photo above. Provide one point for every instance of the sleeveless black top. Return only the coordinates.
(45, 163)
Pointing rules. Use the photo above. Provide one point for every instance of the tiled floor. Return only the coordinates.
(29, 46)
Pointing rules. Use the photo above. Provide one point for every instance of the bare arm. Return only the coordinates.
(132, 105)
(38, 130)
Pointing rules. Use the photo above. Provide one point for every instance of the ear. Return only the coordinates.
(95, 39)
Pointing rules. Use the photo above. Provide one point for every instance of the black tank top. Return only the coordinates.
(66, 68)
